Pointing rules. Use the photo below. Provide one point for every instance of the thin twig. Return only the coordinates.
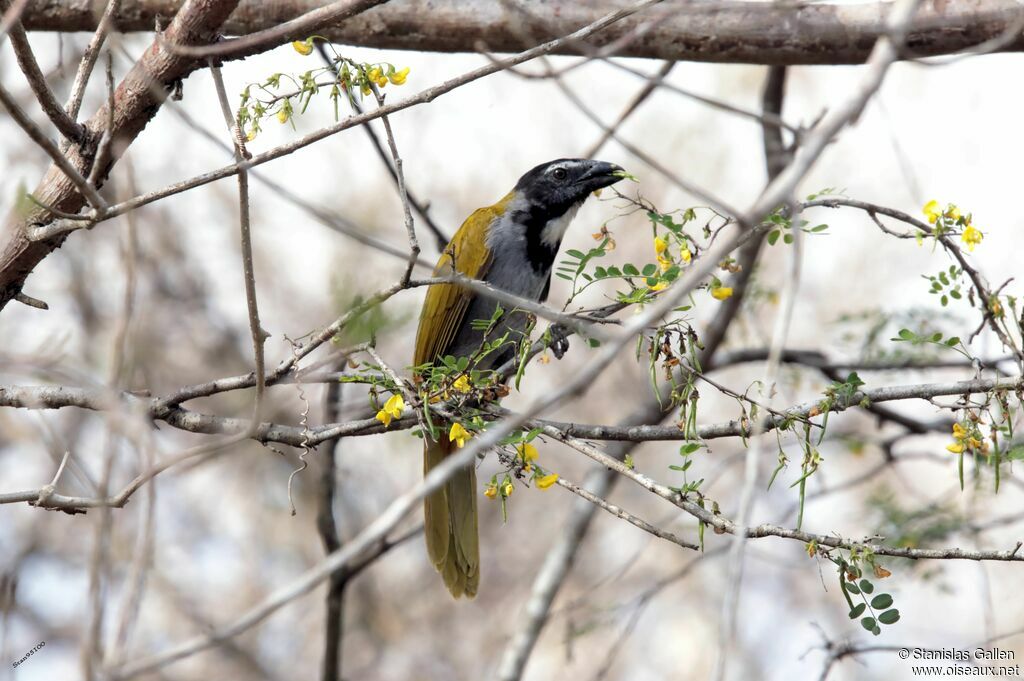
(298, 28)
(64, 123)
(775, 159)
(620, 512)
(651, 85)
(89, 57)
(410, 228)
(259, 336)
(428, 95)
(422, 209)
(51, 149)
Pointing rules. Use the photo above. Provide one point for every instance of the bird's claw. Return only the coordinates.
(559, 340)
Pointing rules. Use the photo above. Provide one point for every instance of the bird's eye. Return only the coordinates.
(559, 174)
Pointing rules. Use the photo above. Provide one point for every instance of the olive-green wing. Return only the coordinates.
(444, 309)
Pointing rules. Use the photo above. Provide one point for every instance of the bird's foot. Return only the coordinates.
(559, 340)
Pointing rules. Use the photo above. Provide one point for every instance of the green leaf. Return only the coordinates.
(907, 335)
(689, 448)
(889, 617)
(630, 269)
(881, 601)
(857, 611)
(852, 588)
(868, 623)
(788, 238)
(575, 254)
(1015, 453)
(953, 341)
(773, 237)
(649, 270)
(866, 586)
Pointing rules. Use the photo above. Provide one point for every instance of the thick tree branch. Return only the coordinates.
(27, 247)
(136, 101)
(732, 32)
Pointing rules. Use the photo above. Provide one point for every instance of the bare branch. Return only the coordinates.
(298, 28)
(883, 54)
(72, 174)
(620, 512)
(259, 336)
(135, 105)
(88, 63)
(744, 32)
(23, 251)
(64, 123)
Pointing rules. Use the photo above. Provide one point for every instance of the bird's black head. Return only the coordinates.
(556, 186)
(547, 197)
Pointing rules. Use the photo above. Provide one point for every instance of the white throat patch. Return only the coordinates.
(553, 232)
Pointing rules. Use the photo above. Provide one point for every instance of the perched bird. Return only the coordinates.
(512, 246)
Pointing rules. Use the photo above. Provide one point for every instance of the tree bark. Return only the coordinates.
(136, 101)
(703, 30)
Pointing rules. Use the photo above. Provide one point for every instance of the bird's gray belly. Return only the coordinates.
(523, 282)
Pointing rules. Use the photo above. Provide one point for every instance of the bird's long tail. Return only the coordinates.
(451, 523)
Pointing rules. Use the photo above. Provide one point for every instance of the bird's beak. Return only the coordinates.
(601, 174)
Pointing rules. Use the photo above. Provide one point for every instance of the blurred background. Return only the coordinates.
(215, 539)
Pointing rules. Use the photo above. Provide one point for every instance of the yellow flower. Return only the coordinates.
(491, 490)
(398, 77)
(507, 489)
(547, 480)
(660, 245)
(365, 88)
(660, 286)
(953, 213)
(664, 263)
(721, 292)
(282, 115)
(462, 384)
(303, 47)
(685, 255)
(972, 236)
(959, 432)
(458, 435)
(932, 210)
(527, 451)
(251, 136)
(374, 74)
(956, 447)
(995, 307)
(393, 409)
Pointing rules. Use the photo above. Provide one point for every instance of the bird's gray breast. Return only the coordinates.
(511, 272)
